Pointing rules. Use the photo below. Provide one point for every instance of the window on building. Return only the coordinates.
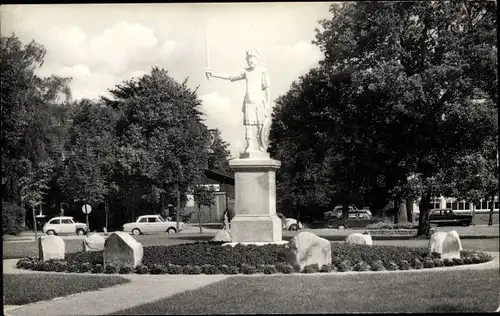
(461, 206)
(448, 205)
(484, 205)
(467, 206)
(478, 206)
(454, 206)
(496, 205)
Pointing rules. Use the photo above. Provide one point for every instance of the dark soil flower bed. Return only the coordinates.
(212, 258)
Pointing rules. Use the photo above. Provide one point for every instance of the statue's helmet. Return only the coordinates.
(253, 53)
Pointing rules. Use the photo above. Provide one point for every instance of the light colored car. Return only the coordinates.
(64, 225)
(147, 224)
(353, 212)
(289, 223)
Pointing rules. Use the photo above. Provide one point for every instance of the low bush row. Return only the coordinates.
(388, 225)
(342, 266)
(212, 258)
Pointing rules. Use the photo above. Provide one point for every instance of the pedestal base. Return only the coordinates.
(256, 228)
(255, 195)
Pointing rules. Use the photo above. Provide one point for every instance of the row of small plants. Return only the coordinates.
(212, 258)
(343, 266)
(388, 225)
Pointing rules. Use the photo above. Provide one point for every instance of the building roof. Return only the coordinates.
(219, 176)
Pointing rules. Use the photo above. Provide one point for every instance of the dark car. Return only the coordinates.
(448, 217)
(357, 219)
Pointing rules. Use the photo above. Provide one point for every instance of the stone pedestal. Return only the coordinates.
(255, 217)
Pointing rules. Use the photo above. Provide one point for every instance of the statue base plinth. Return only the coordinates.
(255, 207)
(255, 155)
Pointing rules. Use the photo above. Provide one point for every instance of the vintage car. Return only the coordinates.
(357, 219)
(337, 212)
(64, 225)
(448, 217)
(152, 224)
(289, 223)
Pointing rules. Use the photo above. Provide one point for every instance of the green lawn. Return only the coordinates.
(451, 291)
(20, 289)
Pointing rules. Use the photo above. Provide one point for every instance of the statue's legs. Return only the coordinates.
(248, 138)
(259, 137)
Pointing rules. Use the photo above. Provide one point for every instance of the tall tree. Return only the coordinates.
(219, 154)
(425, 63)
(160, 134)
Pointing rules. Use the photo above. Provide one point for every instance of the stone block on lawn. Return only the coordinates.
(122, 249)
(51, 247)
(451, 246)
(436, 242)
(223, 235)
(306, 248)
(94, 242)
(359, 239)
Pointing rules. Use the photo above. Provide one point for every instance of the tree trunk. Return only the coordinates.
(490, 219)
(199, 219)
(345, 210)
(298, 214)
(409, 210)
(423, 221)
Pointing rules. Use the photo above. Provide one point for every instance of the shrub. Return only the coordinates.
(361, 266)
(448, 262)
(98, 268)
(195, 270)
(260, 268)
(270, 269)
(389, 225)
(171, 269)
(92, 257)
(12, 219)
(429, 264)
(311, 268)
(475, 258)
(233, 270)
(61, 266)
(438, 263)
(378, 266)
(110, 268)
(224, 269)
(327, 268)
(344, 266)
(417, 264)
(141, 269)
(284, 268)
(458, 261)
(435, 255)
(404, 265)
(125, 269)
(467, 260)
(86, 267)
(158, 269)
(392, 266)
(73, 267)
(209, 269)
(248, 269)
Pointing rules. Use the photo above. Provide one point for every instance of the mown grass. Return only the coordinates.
(20, 289)
(418, 292)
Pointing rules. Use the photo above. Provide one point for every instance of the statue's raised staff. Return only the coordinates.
(256, 104)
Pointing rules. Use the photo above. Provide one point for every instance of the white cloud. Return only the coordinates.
(227, 117)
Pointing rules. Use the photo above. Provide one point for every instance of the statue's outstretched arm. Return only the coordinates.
(232, 77)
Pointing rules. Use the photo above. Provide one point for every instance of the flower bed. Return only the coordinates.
(392, 232)
(387, 225)
(212, 258)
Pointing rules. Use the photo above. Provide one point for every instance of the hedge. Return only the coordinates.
(212, 258)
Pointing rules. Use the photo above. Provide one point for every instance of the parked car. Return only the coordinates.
(64, 225)
(289, 223)
(337, 211)
(449, 217)
(357, 219)
(152, 224)
(446, 217)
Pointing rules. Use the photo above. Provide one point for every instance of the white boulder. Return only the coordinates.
(306, 248)
(223, 235)
(359, 239)
(122, 249)
(436, 242)
(451, 246)
(94, 242)
(51, 247)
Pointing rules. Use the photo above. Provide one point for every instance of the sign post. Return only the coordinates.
(86, 209)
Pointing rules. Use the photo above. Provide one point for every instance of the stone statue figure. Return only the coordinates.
(256, 103)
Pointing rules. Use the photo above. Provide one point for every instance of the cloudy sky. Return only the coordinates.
(103, 45)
